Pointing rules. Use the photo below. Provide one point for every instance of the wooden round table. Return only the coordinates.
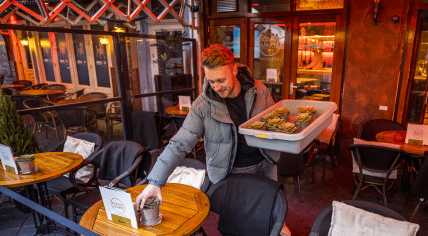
(76, 100)
(175, 111)
(388, 137)
(50, 165)
(42, 92)
(184, 210)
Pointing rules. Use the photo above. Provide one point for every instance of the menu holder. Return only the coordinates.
(7, 160)
(417, 134)
(119, 206)
(184, 103)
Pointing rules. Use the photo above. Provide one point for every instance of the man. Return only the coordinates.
(230, 97)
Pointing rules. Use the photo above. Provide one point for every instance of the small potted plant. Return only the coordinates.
(308, 109)
(283, 113)
(302, 121)
(26, 164)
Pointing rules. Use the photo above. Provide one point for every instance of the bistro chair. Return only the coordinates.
(370, 128)
(118, 162)
(46, 119)
(248, 205)
(66, 96)
(327, 141)
(26, 83)
(294, 164)
(61, 186)
(419, 188)
(113, 117)
(76, 118)
(100, 109)
(37, 87)
(19, 103)
(377, 159)
(53, 97)
(322, 223)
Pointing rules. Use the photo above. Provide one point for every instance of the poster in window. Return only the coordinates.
(4, 63)
(100, 57)
(45, 45)
(80, 55)
(64, 65)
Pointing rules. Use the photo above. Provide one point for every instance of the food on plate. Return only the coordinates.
(307, 109)
(287, 128)
(258, 125)
(282, 111)
(302, 118)
(271, 115)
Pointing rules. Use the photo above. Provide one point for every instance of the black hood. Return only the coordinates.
(244, 77)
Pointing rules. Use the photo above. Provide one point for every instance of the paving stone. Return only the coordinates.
(10, 232)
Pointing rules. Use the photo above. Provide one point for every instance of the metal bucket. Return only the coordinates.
(150, 217)
(285, 117)
(27, 167)
(301, 126)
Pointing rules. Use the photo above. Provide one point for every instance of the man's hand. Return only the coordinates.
(150, 190)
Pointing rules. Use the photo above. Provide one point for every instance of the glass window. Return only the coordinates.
(62, 51)
(318, 4)
(269, 56)
(315, 60)
(80, 56)
(268, 6)
(226, 5)
(45, 45)
(230, 37)
(100, 57)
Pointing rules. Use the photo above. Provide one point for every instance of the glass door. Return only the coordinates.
(231, 33)
(312, 59)
(270, 40)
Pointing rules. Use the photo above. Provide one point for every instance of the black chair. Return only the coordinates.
(100, 109)
(66, 96)
(61, 186)
(54, 97)
(329, 148)
(294, 164)
(252, 211)
(419, 188)
(118, 162)
(46, 119)
(370, 128)
(19, 103)
(322, 223)
(26, 83)
(113, 117)
(377, 159)
(38, 86)
(76, 118)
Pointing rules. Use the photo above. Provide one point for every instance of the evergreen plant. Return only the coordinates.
(12, 131)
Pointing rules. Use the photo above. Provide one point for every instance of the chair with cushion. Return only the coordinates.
(327, 141)
(419, 188)
(370, 128)
(246, 210)
(380, 161)
(118, 162)
(294, 164)
(323, 222)
(62, 186)
(75, 119)
(46, 119)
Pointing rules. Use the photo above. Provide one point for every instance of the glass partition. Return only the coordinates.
(230, 37)
(302, 5)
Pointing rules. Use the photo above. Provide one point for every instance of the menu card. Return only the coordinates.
(184, 102)
(119, 206)
(272, 75)
(417, 134)
(7, 160)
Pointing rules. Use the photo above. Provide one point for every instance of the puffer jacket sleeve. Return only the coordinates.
(181, 144)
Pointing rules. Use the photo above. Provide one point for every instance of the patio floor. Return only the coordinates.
(337, 186)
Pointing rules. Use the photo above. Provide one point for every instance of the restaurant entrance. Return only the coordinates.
(296, 57)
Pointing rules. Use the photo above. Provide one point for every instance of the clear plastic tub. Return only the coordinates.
(290, 143)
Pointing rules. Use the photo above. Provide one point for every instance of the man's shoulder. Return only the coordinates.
(200, 102)
(260, 87)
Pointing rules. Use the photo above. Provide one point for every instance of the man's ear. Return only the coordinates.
(235, 69)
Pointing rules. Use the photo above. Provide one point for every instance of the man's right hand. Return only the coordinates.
(150, 190)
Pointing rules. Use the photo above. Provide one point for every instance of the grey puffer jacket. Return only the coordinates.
(209, 116)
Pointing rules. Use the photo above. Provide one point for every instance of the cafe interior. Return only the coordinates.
(115, 75)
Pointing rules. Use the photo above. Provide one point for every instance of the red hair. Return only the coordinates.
(217, 55)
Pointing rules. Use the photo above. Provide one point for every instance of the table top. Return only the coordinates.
(9, 86)
(175, 111)
(184, 210)
(50, 165)
(388, 137)
(76, 100)
(40, 92)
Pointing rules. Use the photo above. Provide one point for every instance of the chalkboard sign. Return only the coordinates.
(4, 62)
(45, 45)
(80, 55)
(100, 57)
(64, 65)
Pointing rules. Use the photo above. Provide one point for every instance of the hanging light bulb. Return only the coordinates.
(103, 40)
